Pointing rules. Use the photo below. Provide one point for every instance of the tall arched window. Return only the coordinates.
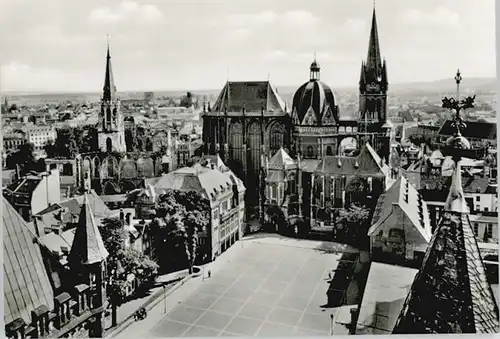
(109, 145)
(329, 150)
(310, 152)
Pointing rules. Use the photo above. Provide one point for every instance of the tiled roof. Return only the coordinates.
(403, 195)
(366, 163)
(473, 129)
(253, 95)
(281, 160)
(451, 293)
(88, 247)
(25, 280)
(475, 185)
(73, 205)
(309, 165)
(199, 179)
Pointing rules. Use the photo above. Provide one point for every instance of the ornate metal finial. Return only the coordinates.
(457, 141)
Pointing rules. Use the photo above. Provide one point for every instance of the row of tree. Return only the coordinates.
(24, 159)
(72, 141)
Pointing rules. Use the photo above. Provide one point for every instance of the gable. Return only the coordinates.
(310, 117)
(328, 118)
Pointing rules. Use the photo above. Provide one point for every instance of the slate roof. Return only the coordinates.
(253, 95)
(198, 178)
(367, 163)
(475, 185)
(88, 247)
(25, 280)
(281, 160)
(473, 129)
(403, 195)
(451, 293)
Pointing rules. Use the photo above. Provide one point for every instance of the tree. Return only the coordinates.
(24, 158)
(187, 100)
(180, 217)
(352, 223)
(114, 236)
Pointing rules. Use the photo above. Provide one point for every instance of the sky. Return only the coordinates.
(60, 45)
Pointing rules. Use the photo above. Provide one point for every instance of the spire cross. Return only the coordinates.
(458, 80)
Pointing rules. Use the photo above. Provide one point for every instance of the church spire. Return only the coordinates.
(451, 292)
(88, 247)
(109, 90)
(374, 60)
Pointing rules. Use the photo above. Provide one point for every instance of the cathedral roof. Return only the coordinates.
(251, 96)
(317, 97)
(367, 163)
(88, 247)
(26, 283)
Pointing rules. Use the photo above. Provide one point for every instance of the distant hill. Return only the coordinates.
(438, 87)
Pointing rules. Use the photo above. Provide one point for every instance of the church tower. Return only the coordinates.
(111, 126)
(87, 261)
(373, 86)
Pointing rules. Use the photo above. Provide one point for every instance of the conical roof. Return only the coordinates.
(281, 160)
(451, 293)
(88, 247)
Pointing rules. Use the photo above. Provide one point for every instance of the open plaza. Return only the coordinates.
(267, 286)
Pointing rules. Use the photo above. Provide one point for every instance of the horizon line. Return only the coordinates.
(35, 92)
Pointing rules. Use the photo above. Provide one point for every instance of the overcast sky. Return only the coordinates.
(60, 45)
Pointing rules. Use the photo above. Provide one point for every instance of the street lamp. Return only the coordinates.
(115, 273)
(331, 324)
(165, 297)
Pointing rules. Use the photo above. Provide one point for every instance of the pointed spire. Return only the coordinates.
(88, 247)
(374, 60)
(109, 90)
(451, 292)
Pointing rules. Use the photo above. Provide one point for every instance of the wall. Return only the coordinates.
(479, 229)
(482, 201)
(399, 220)
(46, 193)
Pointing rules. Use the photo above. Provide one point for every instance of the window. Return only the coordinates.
(478, 198)
(224, 206)
(476, 229)
(478, 208)
(216, 213)
(486, 209)
(489, 232)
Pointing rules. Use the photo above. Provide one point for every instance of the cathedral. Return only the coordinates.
(114, 169)
(250, 125)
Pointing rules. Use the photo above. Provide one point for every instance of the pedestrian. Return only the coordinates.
(209, 273)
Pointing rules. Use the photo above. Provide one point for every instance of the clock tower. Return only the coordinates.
(373, 86)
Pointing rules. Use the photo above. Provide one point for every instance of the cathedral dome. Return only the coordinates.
(314, 102)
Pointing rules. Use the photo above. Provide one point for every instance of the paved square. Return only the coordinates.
(266, 290)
